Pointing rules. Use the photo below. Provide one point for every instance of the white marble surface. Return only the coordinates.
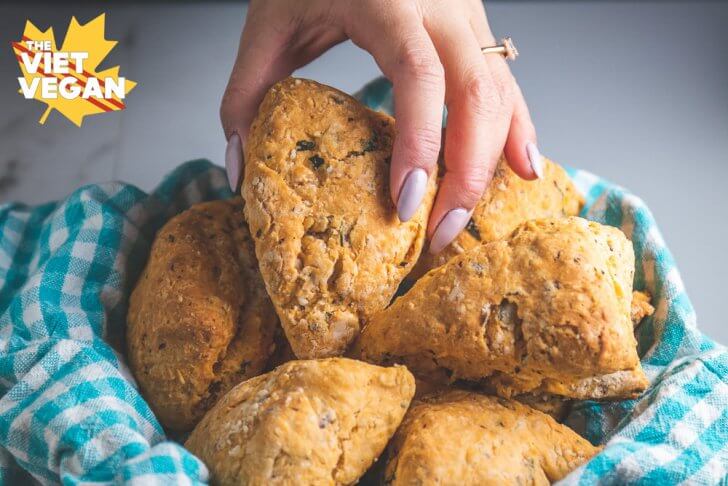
(634, 92)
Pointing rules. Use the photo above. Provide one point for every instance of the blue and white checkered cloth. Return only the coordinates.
(70, 411)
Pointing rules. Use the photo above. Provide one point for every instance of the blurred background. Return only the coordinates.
(633, 91)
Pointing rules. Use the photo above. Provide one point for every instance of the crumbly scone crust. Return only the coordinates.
(199, 319)
(641, 306)
(554, 405)
(319, 422)
(508, 202)
(462, 438)
(331, 248)
(545, 310)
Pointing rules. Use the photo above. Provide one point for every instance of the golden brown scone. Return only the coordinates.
(331, 248)
(462, 438)
(641, 306)
(545, 310)
(508, 202)
(283, 352)
(553, 405)
(199, 319)
(317, 422)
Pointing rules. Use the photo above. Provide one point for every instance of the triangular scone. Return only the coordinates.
(199, 319)
(306, 422)
(545, 310)
(331, 248)
(508, 202)
(462, 438)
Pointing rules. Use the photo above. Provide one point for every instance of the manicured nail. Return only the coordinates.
(234, 161)
(534, 156)
(450, 226)
(410, 197)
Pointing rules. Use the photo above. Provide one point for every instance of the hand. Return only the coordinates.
(430, 50)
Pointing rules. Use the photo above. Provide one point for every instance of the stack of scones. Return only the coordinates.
(266, 332)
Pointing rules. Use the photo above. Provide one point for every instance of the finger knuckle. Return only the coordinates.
(471, 190)
(237, 89)
(421, 146)
(477, 86)
(489, 96)
(471, 184)
(232, 98)
(420, 62)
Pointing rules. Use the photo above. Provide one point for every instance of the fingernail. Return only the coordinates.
(534, 156)
(448, 229)
(410, 197)
(234, 161)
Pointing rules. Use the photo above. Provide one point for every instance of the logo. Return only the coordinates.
(67, 79)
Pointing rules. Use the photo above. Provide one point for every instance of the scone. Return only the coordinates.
(462, 438)
(508, 202)
(314, 422)
(199, 319)
(553, 405)
(641, 306)
(331, 248)
(283, 352)
(546, 310)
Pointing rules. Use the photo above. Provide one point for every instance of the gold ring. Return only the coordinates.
(506, 48)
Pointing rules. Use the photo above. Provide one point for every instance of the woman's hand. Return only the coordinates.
(430, 50)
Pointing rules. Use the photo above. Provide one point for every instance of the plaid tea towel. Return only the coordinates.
(70, 411)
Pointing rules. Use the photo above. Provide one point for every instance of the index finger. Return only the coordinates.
(418, 81)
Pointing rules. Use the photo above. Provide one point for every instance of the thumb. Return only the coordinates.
(260, 63)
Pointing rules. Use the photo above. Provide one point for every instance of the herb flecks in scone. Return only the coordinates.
(546, 310)
(331, 248)
(509, 201)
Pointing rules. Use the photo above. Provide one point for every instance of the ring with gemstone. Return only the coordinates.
(506, 48)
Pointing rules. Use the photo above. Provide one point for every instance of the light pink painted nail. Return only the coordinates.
(534, 156)
(234, 161)
(450, 226)
(410, 197)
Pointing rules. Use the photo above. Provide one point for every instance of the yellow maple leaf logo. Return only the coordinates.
(73, 87)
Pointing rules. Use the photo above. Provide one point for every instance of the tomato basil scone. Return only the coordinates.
(507, 202)
(199, 319)
(331, 248)
(546, 310)
(462, 438)
(320, 422)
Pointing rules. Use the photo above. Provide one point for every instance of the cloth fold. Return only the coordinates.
(70, 411)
